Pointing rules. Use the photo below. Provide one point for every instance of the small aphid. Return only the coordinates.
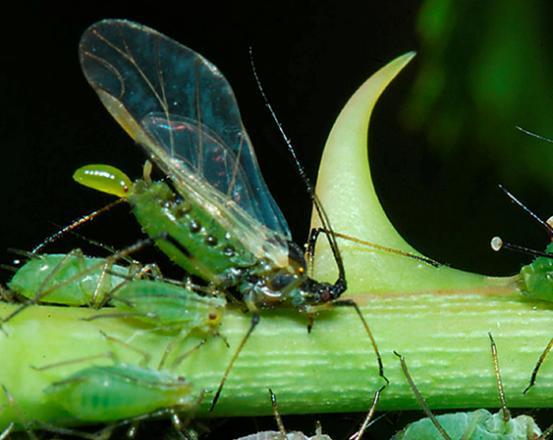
(168, 307)
(43, 273)
(119, 392)
(479, 424)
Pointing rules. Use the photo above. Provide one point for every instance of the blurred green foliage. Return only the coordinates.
(484, 68)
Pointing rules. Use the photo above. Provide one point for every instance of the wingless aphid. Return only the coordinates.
(479, 424)
(44, 272)
(163, 304)
(119, 392)
(214, 215)
(535, 279)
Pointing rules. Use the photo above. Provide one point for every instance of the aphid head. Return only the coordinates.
(215, 313)
(104, 178)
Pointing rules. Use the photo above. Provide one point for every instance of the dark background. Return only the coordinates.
(311, 57)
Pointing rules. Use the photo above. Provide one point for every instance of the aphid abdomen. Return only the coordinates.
(168, 305)
(109, 393)
(32, 279)
(194, 240)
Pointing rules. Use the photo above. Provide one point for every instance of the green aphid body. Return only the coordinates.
(474, 425)
(110, 393)
(170, 306)
(154, 302)
(45, 272)
(536, 278)
(196, 243)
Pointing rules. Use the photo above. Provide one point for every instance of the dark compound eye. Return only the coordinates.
(280, 281)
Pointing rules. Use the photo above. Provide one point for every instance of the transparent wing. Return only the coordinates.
(181, 109)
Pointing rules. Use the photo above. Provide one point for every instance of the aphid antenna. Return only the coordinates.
(276, 414)
(363, 429)
(367, 422)
(534, 134)
(528, 211)
(74, 225)
(341, 282)
(497, 244)
(100, 245)
(377, 247)
(420, 399)
(537, 368)
(500, 389)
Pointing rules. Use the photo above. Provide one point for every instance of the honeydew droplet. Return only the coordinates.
(104, 178)
(496, 244)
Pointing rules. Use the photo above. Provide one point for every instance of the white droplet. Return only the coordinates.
(496, 243)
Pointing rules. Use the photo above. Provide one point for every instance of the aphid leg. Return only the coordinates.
(420, 399)
(107, 354)
(6, 295)
(103, 434)
(172, 344)
(500, 389)
(538, 366)
(278, 419)
(182, 425)
(310, 321)
(177, 361)
(253, 325)
(359, 434)
(146, 357)
(353, 304)
(178, 424)
(223, 338)
(310, 246)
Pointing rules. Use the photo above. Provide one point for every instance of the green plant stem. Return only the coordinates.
(444, 338)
